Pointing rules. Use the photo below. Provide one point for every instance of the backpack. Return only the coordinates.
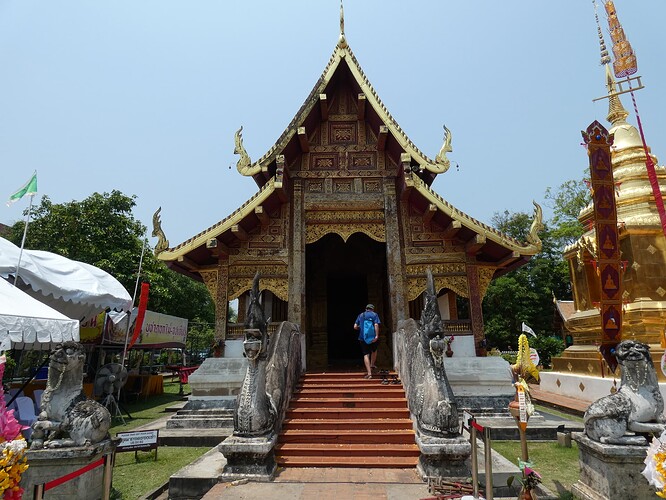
(368, 326)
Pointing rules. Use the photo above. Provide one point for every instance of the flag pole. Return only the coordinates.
(129, 314)
(25, 233)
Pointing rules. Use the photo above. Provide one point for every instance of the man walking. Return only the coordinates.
(368, 325)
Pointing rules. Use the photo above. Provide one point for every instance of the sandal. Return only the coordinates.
(367, 377)
(385, 382)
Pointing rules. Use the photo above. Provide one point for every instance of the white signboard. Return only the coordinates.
(137, 440)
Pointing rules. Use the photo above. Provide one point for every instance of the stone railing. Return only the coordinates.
(457, 326)
(253, 455)
(284, 367)
(237, 330)
(431, 402)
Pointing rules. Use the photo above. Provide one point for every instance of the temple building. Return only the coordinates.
(345, 215)
(643, 259)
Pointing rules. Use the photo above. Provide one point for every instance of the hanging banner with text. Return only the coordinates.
(158, 330)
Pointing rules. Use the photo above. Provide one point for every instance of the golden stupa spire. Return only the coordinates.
(342, 42)
(616, 112)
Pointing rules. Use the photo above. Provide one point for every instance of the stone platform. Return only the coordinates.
(480, 383)
(610, 472)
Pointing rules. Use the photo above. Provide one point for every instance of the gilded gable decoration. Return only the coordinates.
(162, 242)
(210, 279)
(244, 164)
(274, 277)
(442, 163)
(344, 224)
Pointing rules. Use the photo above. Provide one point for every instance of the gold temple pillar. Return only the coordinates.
(475, 309)
(394, 257)
(217, 280)
(296, 308)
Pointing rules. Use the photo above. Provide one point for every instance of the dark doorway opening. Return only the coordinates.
(347, 294)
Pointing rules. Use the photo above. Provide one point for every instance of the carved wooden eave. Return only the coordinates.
(205, 248)
(293, 140)
(488, 245)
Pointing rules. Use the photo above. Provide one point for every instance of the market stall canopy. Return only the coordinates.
(76, 289)
(31, 324)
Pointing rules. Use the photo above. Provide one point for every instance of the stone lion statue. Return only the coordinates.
(637, 407)
(67, 417)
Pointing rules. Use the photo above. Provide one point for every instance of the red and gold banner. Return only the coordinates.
(608, 263)
(143, 305)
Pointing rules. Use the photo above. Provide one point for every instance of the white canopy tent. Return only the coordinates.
(76, 289)
(29, 323)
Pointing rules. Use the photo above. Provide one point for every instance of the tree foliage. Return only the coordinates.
(526, 294)
(101, 230)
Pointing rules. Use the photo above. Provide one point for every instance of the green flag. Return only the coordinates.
(29, 189)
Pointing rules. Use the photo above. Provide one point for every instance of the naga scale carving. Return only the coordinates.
(434, 404)
(255, 412)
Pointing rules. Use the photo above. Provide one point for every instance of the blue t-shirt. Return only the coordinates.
(362, 317)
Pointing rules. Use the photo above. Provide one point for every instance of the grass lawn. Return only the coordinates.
(557, 465)
(134, 478)
(150, 409)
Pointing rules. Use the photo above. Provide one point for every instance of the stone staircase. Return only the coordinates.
(340, 419)
(198, 427)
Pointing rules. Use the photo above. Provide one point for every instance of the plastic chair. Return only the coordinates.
(8, 397)
(13, 391)
(37, 396)
(25, 409)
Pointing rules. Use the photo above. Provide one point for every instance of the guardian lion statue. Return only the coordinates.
(637, 407)
(67, 417)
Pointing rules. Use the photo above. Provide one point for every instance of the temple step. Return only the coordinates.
(347, 413)
(352, 392)
(369, 462)
(350, 450)
(344, 420)
(341, 424)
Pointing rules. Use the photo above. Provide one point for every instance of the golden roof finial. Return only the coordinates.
(616, 112)
(342, 42)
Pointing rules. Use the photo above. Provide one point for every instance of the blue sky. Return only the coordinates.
(145, 96)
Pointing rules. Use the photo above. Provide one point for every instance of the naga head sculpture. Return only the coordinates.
(256, 336)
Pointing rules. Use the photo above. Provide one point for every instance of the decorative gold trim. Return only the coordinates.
(486, 274)
(278, 286)
(224, 225)
(417, 285)
(469, 222)
(162, 242)
(210, 279)
(314, 232)
(244, 164)
(442, 163)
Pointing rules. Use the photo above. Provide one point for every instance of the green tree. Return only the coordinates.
(526, 294)
(101, 230)
(567, 202)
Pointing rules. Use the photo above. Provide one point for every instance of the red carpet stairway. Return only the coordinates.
(342, 420)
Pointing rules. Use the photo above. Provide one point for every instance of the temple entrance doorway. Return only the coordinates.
(341, 278)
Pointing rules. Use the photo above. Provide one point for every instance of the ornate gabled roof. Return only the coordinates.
(222, 226)
(341, 53)
(529, 248)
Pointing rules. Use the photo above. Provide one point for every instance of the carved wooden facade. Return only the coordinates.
(345, 195)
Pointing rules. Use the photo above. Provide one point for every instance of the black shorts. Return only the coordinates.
(368, 348)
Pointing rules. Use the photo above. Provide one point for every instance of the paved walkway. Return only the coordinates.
(329, 484)
(566, 403)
